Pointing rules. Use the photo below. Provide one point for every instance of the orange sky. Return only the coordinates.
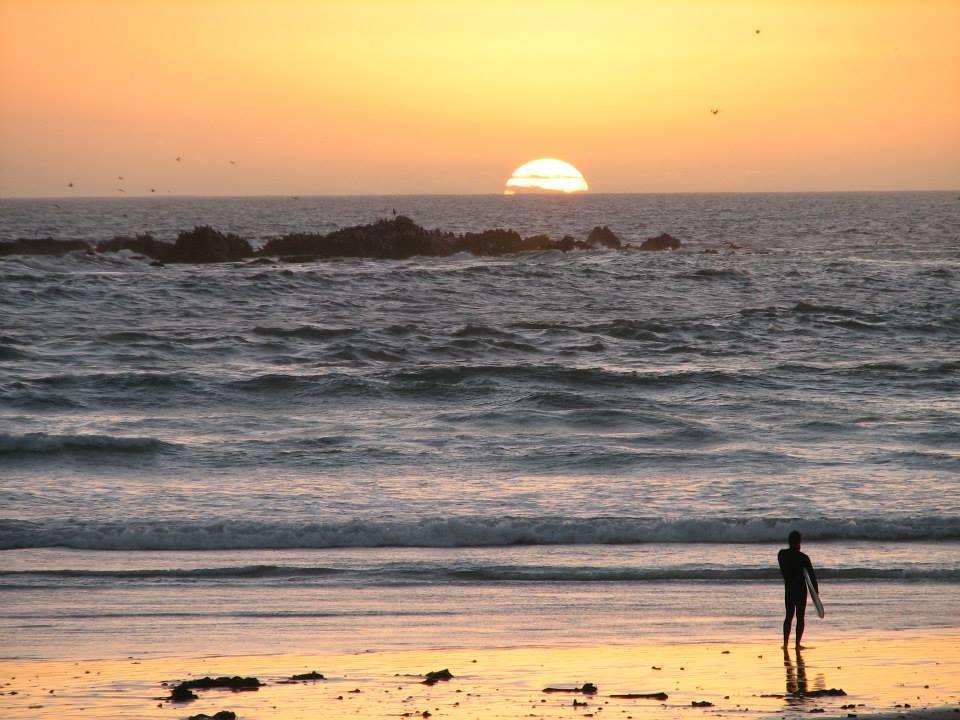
(450, 96)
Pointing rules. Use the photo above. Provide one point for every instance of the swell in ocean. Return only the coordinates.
(458, 532)
(795, 363)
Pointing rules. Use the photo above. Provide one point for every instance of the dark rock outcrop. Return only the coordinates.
(222, 715)
(539, 242)
(400, 238)
(661, 242)
(491, 242)
(203, 244)
(42, 246)
(602, 236)
(144, 244)
(395, 239)
(641, 696)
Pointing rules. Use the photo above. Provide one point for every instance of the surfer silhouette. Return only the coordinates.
(792, 564)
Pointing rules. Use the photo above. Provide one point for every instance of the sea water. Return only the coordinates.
(540, 448)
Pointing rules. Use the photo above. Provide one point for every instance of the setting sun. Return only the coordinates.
(546, 175)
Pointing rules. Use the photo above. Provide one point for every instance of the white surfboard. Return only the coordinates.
(813, 593)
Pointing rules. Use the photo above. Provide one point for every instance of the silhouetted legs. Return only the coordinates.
(795, 605)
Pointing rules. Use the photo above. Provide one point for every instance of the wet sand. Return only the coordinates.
(912, 676)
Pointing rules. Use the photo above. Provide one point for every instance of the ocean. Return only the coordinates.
(544, 448)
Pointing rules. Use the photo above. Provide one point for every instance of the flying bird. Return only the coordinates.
(153, 189)
(119, 177)
(178, 158)
(715, 111)
(233, 162)
(757, 31)
(70, 184)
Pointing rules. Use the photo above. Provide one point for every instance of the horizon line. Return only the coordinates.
(512, 198)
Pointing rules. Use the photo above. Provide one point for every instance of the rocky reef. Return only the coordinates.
(660, 243)
(203, 244)
(394, 239)
(602, 236)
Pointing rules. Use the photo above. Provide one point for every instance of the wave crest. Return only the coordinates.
(43, 444)
(466, 531)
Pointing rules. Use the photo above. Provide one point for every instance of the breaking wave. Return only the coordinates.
(31, 444)
(457, 532)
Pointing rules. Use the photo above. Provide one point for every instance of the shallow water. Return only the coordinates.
(72, 603)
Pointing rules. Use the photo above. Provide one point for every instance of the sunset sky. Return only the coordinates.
(448, 96)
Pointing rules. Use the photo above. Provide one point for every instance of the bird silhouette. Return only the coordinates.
(153, 189)
(233, 162)
(757, 31)
(715, 111)
(70, 184)
(178, 158)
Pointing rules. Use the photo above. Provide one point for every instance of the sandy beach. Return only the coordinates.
(915, 675)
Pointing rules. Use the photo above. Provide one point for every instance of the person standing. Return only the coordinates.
(792, 564)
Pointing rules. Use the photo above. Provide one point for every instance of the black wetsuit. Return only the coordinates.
(792, 562)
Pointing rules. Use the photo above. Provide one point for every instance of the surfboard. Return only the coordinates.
(813, 593)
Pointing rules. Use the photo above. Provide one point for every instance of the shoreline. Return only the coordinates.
(884, 677)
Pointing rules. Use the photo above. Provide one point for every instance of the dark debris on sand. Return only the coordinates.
(432, 678)
(183, 692)
(312, 675)
(831, 692)
(586, 689)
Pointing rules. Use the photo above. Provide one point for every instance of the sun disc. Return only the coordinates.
(546, 175)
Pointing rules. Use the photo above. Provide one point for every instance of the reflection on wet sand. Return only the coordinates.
(797, 686)
(796, 677)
